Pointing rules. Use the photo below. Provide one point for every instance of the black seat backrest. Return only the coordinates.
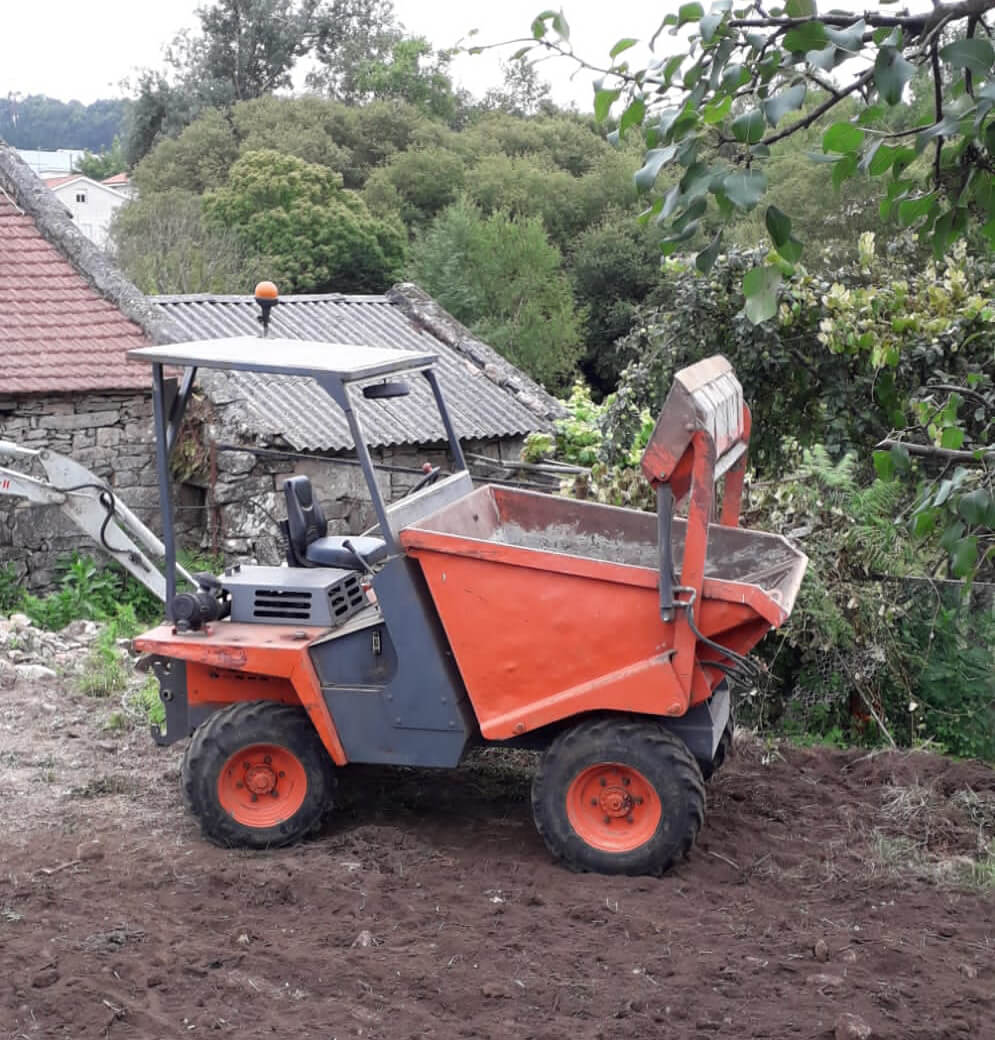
(305, 520)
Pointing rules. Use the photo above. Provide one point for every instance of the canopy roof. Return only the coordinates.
(350, 362)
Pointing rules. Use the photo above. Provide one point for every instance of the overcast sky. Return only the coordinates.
(68, 50)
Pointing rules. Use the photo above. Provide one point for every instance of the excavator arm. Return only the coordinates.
(92, 506)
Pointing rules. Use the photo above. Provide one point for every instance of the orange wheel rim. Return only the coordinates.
(613, 807)
(262, 785)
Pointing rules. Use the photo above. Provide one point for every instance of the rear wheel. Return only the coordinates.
(618, 796)
(256, 775)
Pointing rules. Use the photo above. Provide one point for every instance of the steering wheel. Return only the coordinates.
(431, 476)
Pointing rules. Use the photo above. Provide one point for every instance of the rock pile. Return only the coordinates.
(31, 653)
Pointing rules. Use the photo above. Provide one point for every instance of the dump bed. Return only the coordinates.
(533, 526)
(551, 605)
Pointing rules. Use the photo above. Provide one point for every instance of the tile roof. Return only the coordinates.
(117, 178)
(298, 412)
(57, 333)
(55, 182)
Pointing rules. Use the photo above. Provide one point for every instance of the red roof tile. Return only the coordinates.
(57, 333)
(117, 178)
(54, 182)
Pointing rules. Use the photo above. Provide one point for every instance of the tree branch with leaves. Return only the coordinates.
(738, 80)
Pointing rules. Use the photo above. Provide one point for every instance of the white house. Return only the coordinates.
(91, 204)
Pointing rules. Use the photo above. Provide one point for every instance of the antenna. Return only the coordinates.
(267, 297)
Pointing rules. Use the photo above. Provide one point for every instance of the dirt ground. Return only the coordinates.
(824, 883)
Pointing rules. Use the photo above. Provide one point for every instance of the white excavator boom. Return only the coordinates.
(93, 507)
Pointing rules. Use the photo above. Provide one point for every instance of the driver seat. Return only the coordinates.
(308, 541)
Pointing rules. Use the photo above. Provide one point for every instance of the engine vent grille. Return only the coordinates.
(300, 596)
(346, 597)
(282, 604)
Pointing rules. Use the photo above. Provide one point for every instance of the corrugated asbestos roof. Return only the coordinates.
(302, 414)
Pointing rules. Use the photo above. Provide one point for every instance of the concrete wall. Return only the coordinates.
(110, 434)
(247, 497)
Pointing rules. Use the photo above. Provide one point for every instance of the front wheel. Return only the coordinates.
(618, 796)
(257, 776)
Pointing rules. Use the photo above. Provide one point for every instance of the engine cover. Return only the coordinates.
(319, 596)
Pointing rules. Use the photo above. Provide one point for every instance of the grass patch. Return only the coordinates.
(145, 704)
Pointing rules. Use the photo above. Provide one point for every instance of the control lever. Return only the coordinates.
(347, 544)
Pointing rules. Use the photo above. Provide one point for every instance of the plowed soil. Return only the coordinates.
(824, 883)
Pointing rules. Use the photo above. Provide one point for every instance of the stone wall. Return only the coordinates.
(247, 497)
(108, 432)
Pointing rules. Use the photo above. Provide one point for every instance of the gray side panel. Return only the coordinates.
(702, 727)
(394, 691)
(369, 731)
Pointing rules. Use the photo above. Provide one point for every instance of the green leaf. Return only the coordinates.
(655, 160)
(789, 99)
(633, 115)
(826, 59)
(952, 438)
(717, 110)
(842, 137)
(745, 188)
(911, 210)
(884, 466)
(734, 77)
(623, 45)
(850, 39)
(871, 115)
(778, 225)
(705, 260)
(696, 181)
(749, 127)
(846, 167)
(891, 73)
(973, 53)
(520, 53)
(975, 507)
(670, 69)
(964, 556)
(689, 13)
(760, 289)
(801, 9)
(882, 160)
(539, 24)
(809, 36)
(561, 26)
(603, 101)
(669, 245)
(791, 250)
(709, 24)
(924, 522)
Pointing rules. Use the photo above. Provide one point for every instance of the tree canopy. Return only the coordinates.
(318, 236)
(41, 122)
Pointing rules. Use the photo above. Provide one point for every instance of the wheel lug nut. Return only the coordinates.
(267, 759)
(246, 765)
(639, 801)
(626, 781)
(273, 793)
(594, 801)
(630, 818)
(608, 819)
(255, 798)
(603, 782)
(282, 774)
(239, 784)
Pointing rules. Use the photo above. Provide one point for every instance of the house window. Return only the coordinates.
(81, 196)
